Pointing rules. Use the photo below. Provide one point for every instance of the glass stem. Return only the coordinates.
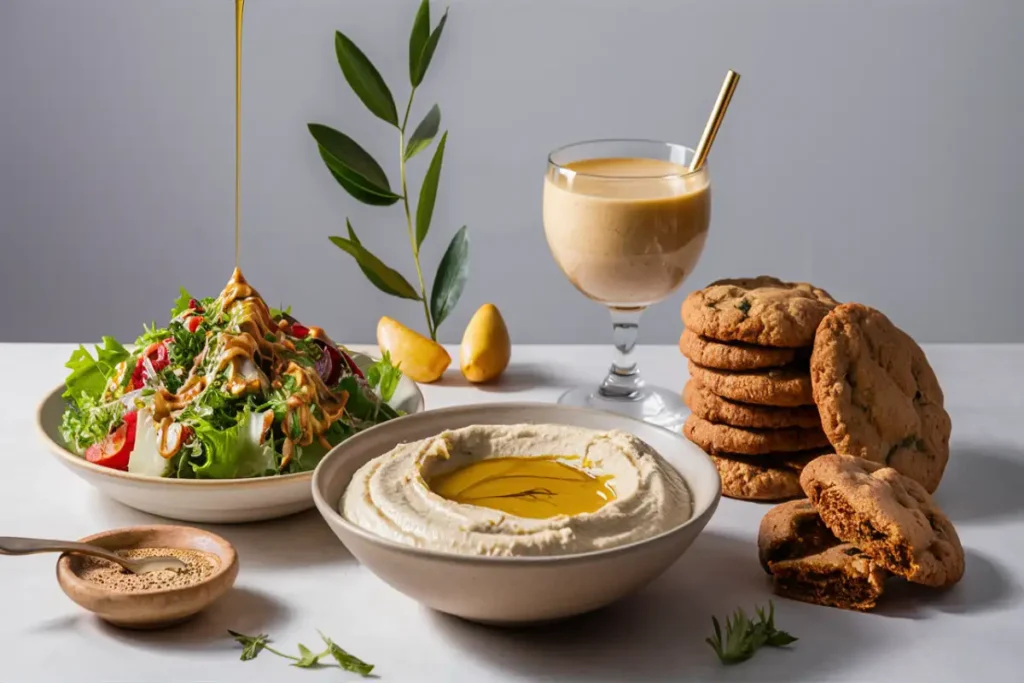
(623, 380)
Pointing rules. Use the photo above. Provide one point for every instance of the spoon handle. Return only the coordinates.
(12, 545)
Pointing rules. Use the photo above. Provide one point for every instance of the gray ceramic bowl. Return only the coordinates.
(514, 590)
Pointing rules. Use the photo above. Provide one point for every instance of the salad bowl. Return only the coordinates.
(214, 501)
(503, 590)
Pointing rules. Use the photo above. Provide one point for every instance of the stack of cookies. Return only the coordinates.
(780, 373)
(863, 524)
(749, 342)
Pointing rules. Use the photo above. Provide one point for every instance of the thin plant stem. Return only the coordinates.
(408, 218)
(279, 654)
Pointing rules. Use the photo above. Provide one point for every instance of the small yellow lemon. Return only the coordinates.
(418, 357)
(486, 347)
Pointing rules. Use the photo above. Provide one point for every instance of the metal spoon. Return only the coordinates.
(10, 545)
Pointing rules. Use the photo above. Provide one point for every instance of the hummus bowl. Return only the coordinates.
(215, 501)
(510, 584)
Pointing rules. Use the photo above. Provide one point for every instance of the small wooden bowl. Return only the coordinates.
(151, 609)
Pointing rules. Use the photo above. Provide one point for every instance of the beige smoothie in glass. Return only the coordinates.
(626, 231)
(626, 221)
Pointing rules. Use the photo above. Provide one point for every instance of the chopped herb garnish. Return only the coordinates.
(384, 376)
(253, 645)
(744, 637)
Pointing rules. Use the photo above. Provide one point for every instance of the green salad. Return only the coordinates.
(229, 389)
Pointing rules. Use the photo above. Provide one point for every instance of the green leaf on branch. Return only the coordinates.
(418, 39)
(424, 133)
(353, 167)
(428, 51)
(428, 193)
(307, 658)
(451, 277)
(370, 275)
(346, 660)
(364, 79)
(251, 645)
(357, 192)
(386, 279)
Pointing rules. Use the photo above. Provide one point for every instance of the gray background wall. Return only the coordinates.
(874, 148)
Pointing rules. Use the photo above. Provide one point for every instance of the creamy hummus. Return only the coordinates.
(396, 495)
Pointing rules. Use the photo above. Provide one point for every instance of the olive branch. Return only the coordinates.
(363, 178)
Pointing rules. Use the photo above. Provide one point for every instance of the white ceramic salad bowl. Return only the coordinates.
(212, 501)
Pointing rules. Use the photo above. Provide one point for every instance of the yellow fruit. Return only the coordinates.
(420, 358)
(486, 348)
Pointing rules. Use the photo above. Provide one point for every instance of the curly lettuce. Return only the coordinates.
(234, 453)
(89, 375)
(88, 418)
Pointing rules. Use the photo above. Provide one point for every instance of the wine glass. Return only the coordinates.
(626, 221)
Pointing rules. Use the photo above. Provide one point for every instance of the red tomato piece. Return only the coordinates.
(193, 323)
(158, 358)
(299, 331)
(114, 451)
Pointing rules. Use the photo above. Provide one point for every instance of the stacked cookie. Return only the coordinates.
(752, 405)
(863, 524)
(779, 369)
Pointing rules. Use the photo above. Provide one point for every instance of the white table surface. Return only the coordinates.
(296, 577)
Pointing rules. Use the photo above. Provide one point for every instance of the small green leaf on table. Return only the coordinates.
(307, 658)
(744, 637)
(251, 645)
(346, 661)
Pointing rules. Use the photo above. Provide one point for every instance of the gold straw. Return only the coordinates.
(717, 114)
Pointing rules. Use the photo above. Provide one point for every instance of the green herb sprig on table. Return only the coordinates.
(363, 178)
(743, 637)
(253, 645)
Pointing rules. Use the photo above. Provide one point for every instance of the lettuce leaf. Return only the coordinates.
(181, 303)
(236, 452)
(363, 404)
(89, 375)
(278, 313)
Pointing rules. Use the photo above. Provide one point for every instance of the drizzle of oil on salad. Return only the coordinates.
(229, 389)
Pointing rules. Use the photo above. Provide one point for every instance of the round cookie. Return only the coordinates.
(887, 515)
(714, 408)
(719, 438)
(791, 530)
(767, 479)
(787, 387)
(878, 397)
(733, 355)
(841, 576)
(762, 310)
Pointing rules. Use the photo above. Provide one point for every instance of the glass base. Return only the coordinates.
(656, 405)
